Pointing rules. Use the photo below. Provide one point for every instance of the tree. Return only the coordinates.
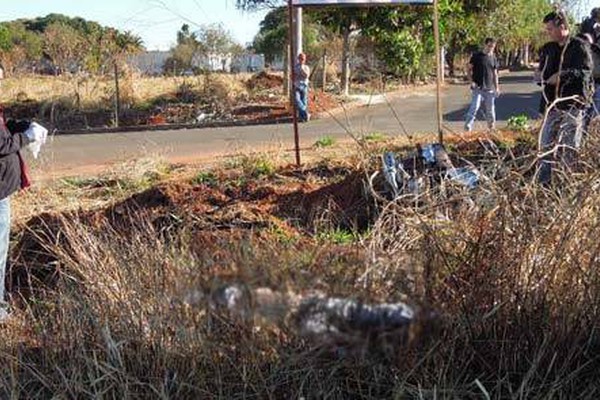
(18, 46)
(108, 47)
(521, 26)
(408, 31)
(215, 44)
(64, 45)
(460, 28)
(70, 43)
(344, 21)
(183, 52)
(272, 37)
(252, 5)
(5, 42)
(215, 39)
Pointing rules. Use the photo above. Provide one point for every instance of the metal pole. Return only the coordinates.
(439, 72)
(292, 68)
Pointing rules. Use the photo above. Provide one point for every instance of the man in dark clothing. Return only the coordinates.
(591, 25)
(595, 48)
(572, 84)
(549, 63)
(483, 74)
(11, 180)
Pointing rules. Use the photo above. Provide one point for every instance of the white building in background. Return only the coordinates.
(248, 62)
(150, 62)
(212, 62)
(153, 62)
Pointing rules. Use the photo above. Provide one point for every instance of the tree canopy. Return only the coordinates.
(403, 34)
(70, 43)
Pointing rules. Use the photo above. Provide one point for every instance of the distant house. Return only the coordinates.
(150, 62)
(277, 64)
(246, 62)
(153, 62)
(212, 62)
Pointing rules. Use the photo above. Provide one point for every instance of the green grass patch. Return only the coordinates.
(374, 137)
(325, 141)
(337, 236)
(205, 178)
(519, 123)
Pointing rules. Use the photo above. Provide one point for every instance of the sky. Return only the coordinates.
(155, 21)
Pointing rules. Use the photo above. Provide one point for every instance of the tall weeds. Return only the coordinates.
(505, 278)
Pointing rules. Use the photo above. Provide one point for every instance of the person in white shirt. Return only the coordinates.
(302, 74)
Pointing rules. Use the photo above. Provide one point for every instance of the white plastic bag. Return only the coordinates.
(38, 135)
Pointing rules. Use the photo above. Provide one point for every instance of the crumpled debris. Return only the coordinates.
(407, 175)
(315, 315)
(322, 315)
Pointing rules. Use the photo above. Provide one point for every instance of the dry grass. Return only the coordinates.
(93, 90)
(511, 271)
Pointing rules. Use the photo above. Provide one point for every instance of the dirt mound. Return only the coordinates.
(264, 80)
(289, 203)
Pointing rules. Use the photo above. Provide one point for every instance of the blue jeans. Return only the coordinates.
(563, 129)
(4, 240)
(301, 95)
(489, 99)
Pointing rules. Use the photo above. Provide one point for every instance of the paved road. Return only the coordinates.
(416, 112)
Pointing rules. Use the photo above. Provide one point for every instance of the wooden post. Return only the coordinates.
(117, 97)
(324, 76)
(438, 64)
(286, 71)
(292, 68)
(345, 87)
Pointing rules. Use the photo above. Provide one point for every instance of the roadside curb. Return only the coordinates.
(173, 127)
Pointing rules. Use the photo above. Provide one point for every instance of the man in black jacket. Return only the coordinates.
(10, 182)
(572, 87)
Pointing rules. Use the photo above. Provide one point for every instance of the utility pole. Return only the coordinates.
(297, 31)
(293, 55)
(439, 68)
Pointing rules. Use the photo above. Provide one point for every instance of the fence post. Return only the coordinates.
(117, 99)
(324, 77)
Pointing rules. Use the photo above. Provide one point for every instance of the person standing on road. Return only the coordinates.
(12, 178)
(302, 74)
(14, 135)
(483, 75)
(573, 88)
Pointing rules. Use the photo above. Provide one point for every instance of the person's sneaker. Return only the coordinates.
(307, 117)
